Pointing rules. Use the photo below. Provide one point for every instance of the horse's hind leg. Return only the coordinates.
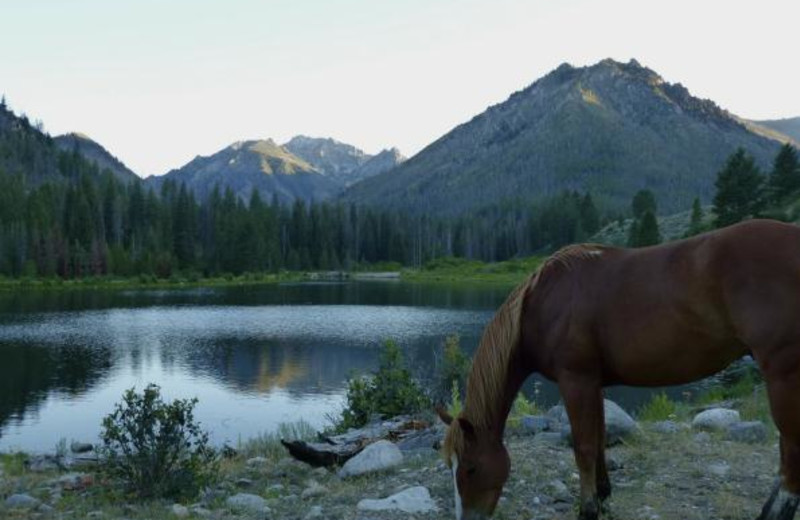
(782, 373)
(583, 400)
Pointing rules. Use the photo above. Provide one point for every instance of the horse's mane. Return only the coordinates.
(490, 364)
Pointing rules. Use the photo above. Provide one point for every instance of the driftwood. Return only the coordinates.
(335, 450)
(321, 454)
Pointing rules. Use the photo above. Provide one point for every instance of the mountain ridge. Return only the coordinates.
(610, 128)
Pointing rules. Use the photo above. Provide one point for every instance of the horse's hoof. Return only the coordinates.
(590, 510)
(780, 506)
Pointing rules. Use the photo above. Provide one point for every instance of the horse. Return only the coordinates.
(593, 316)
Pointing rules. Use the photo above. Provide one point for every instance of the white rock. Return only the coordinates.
(22, 501)
(412, 500)
(246, 502)
(179, 511)
(314, 489)
(715, 419)
(314, 512)
(377, 456)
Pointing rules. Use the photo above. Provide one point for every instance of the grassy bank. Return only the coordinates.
(450, 269)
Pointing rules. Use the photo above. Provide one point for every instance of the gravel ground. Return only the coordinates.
(681, 476)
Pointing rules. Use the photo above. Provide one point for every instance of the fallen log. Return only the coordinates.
(322, 454)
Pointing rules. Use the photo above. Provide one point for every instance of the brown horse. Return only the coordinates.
(594, 316)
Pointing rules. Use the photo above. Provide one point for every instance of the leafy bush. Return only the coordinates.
(522, 407)
(455, 401)
(391, 391)
(156, 449)
(659, 408)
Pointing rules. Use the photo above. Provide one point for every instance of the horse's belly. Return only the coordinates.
(661, 363)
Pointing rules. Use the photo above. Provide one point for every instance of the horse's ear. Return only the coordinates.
(444, 416)
(466, 427)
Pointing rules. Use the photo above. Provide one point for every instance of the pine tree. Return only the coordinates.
(785, 176)
(739, 190)
(590, 218)
(696, 220)
(648, 233)
(643, 201)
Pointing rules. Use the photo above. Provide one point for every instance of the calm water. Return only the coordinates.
(254, 356)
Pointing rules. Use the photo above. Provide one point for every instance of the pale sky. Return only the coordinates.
(158, 82)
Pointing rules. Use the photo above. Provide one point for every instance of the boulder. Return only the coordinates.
(715, 419)
(377, 456)
(22, 501)
(665, 427)
(247, 503)
(81, 447)
(179, 511)
(535, 423)
(619, 424)
(412, 501)
(750, 432)
(430, 438)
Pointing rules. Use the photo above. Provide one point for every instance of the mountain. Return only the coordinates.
(789, 127)
(611, 129)
(247, 165)
(342, 162)
(382, 162)
(328, 156)
(95, 153)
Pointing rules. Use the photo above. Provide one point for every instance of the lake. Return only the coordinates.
(254, 356)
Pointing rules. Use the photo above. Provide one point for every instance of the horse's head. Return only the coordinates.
(480, 466)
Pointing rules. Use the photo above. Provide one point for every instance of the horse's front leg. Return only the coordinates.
(583, 400)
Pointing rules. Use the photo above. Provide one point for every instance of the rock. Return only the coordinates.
(247, 503)
(719, 469)
(423, 439)
(244, 483)
(412, 500)
(665, 427)
(535, 423)
(22, 501)
(202, 512)
(45, 509)
(81, 447)
(314, 512)
(42, 463)
(94, 514)
(377, 456)
(702, 438)
(750, 432)
(314, 489)
(715, 419)
(619, 424)
(179, 511)
(75, 481)
(549, 439)
(257, 461)
(558, 490)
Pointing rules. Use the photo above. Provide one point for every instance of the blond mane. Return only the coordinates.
(500, 339)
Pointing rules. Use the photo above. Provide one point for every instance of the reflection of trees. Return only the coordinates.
(29, 373)
(261, 366)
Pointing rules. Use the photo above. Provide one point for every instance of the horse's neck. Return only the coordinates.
(493, 413)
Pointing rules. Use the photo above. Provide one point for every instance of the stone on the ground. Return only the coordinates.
(702, 438)
(244, 482)
(201, 512)
(81, 447)
(22, 501)
(257, 461)
(179, 511)
(412, 500)
(423, 439)
(665, 427)
(717, 419)
(247, 503)
(377, 456)
(750, 432)
(314, 489)
(535, 423)
(549, 439)
(314, 512)
(558, 491)
(719, 469)
(619, 424)
(41, 463)
(75, 481)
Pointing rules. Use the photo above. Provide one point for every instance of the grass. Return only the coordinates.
(269, 445)
(659, 408)
(449, 269)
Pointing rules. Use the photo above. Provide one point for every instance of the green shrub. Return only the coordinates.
(156, 449)
(522, 407)
(391, 391)
(659, 408)
(455, 401)
(453, 369)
